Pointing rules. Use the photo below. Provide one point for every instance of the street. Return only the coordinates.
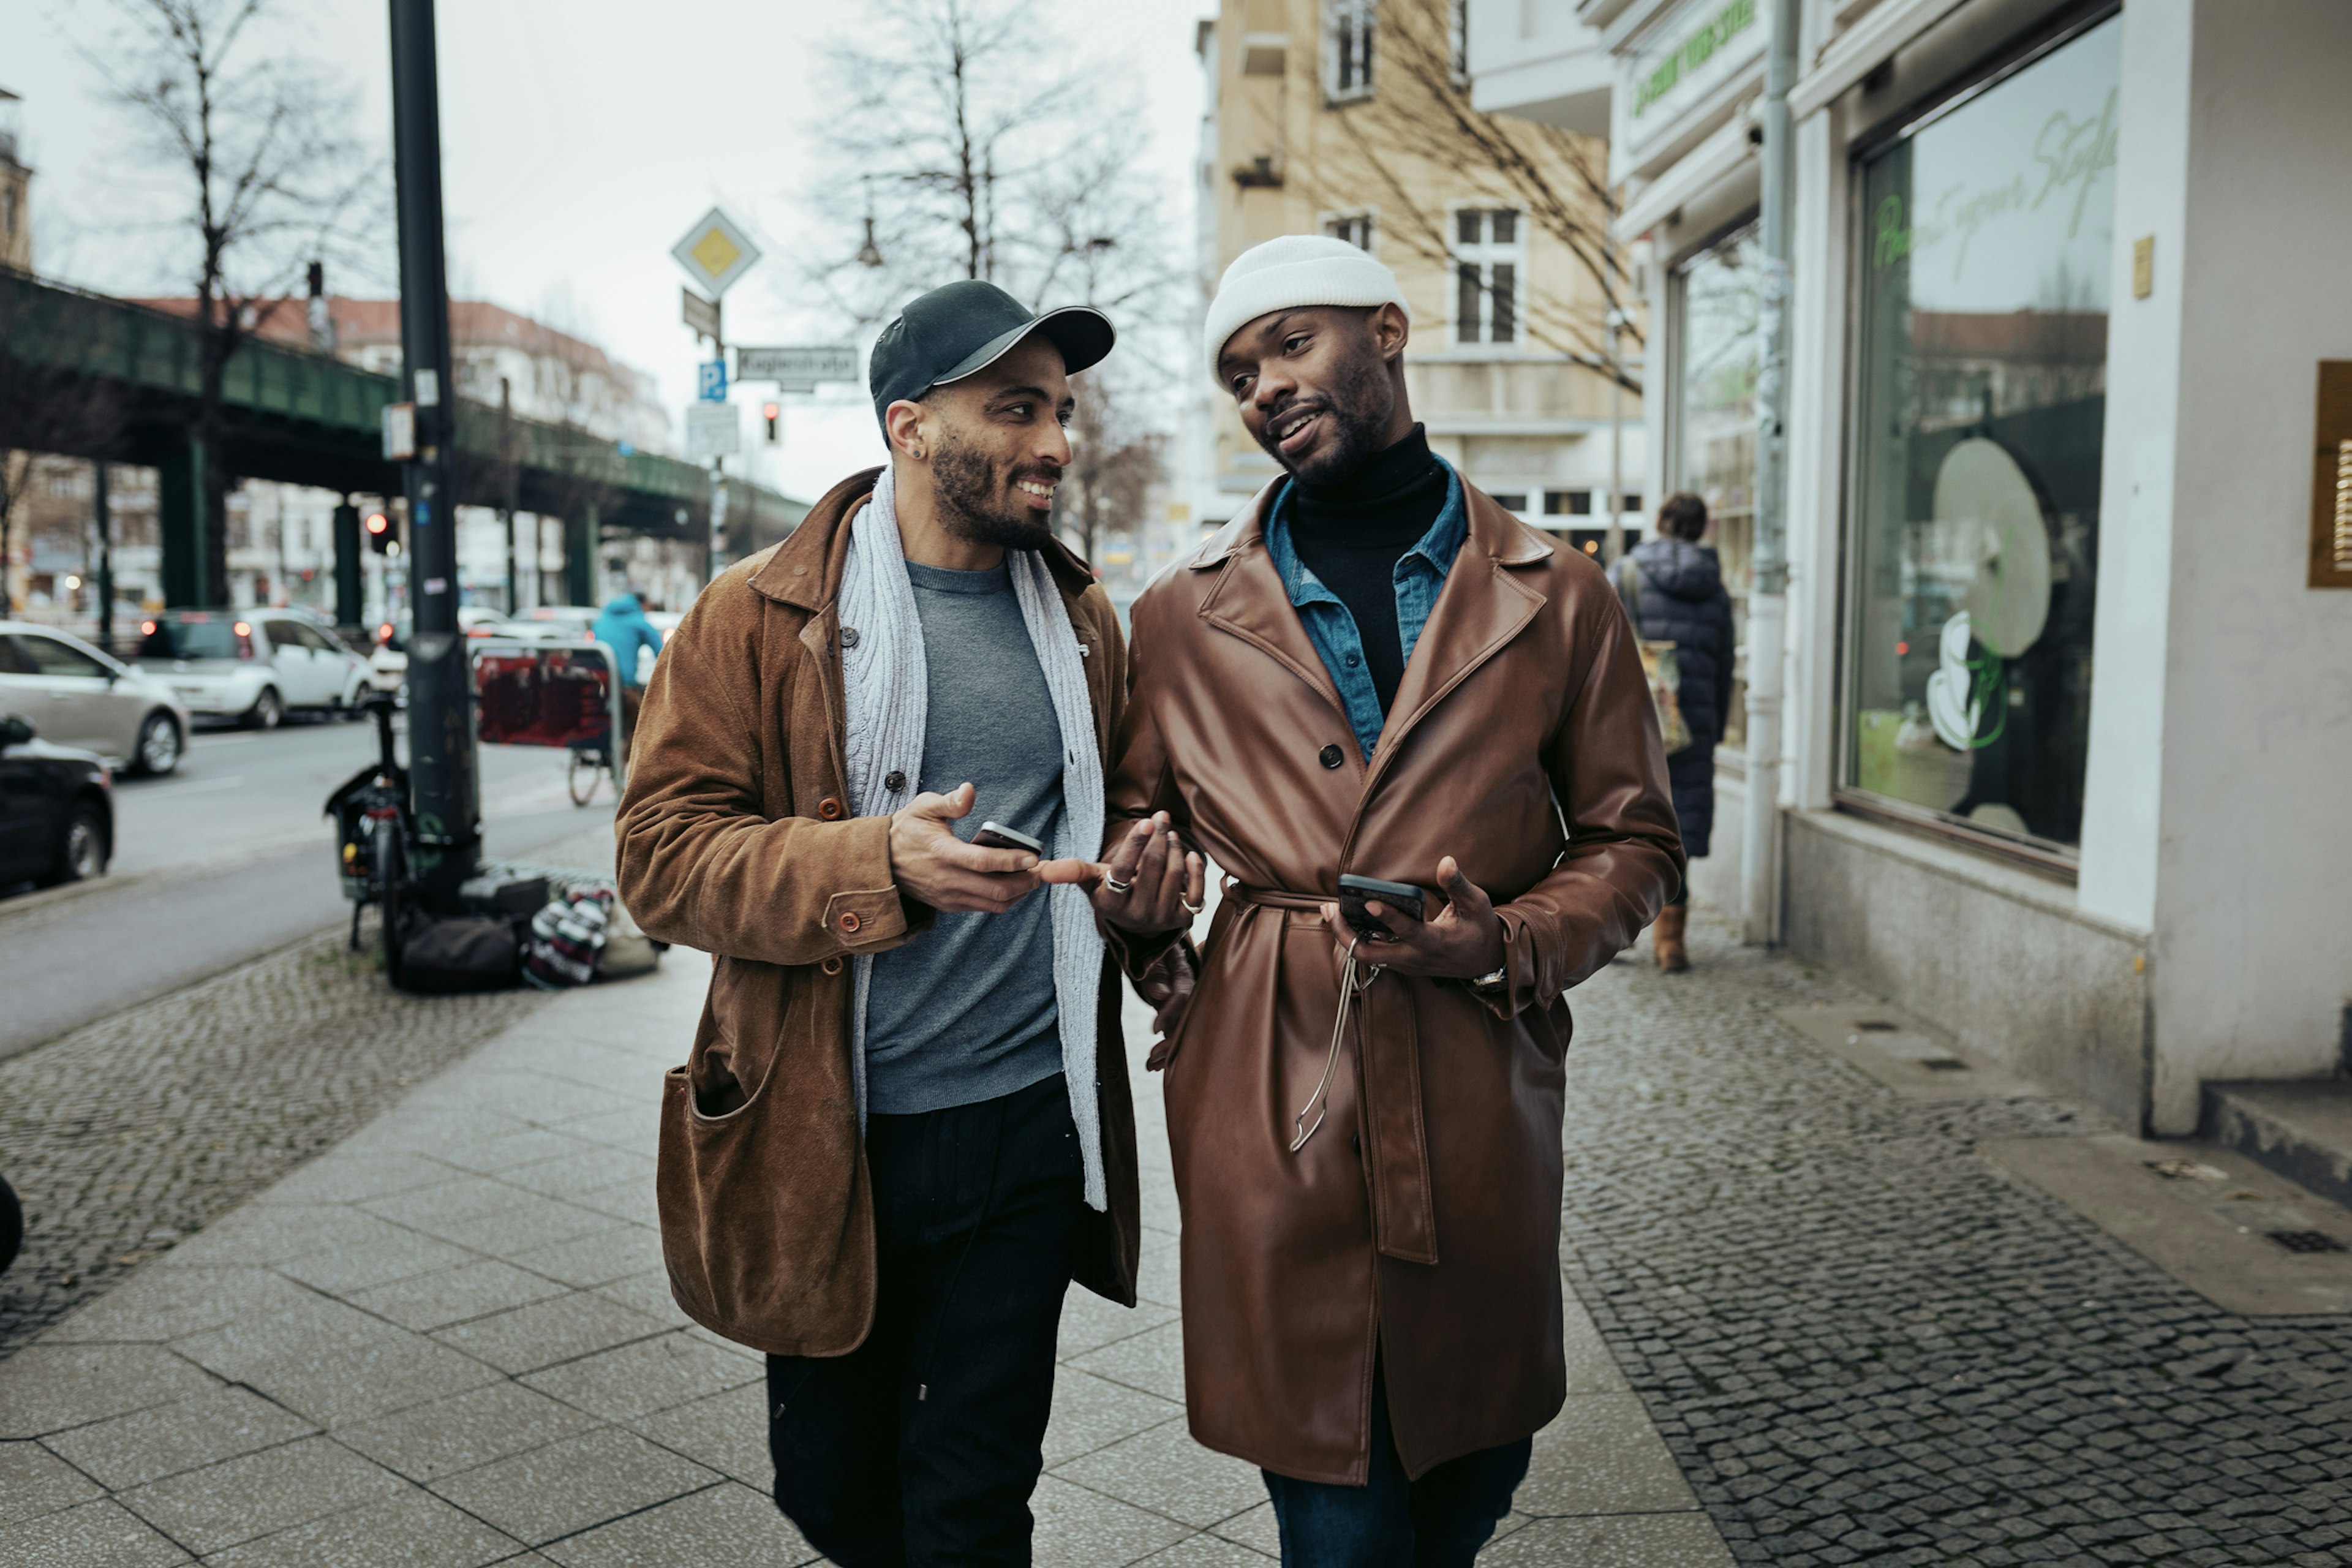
(228, 860)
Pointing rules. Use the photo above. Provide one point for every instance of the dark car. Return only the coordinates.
(56, 809)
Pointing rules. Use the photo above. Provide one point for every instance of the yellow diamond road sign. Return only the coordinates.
(715, 252)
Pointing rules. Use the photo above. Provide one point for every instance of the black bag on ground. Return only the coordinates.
(461, 954)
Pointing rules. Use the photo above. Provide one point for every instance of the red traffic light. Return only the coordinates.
(377, 523)
(771, 413)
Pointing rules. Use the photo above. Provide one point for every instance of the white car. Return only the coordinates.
(252, 666)
(74, 695)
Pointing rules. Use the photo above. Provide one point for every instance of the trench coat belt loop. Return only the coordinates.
(1396, 1143)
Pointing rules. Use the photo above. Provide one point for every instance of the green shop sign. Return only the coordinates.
(1701, 46)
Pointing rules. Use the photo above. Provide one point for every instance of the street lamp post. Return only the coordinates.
(440, 720)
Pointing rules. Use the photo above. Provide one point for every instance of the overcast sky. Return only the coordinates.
(578, 142)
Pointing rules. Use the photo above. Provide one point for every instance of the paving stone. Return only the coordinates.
(649, 1375)
(102, 1534)
(1205, 1551)
(237, 1499)
(634, 1200)
(148, 1444)
(524, 1223)
(574, 1485)
(584, 1170)
(50, 1388)
(1164, 1470)
(410, 1529)
(1090, 1413)
(1255, 1527)
(34, 1481)
(473, 1289)
(1623, 1541)
(1152, 1360)
(726, 1526)
(649, 1293)
(336, 1385)
(1090, 1323)
(601, 1255)
(353, 1178)
(1080, 1528)
(545, 1333)
(158, 1304)
(379, 1255)
(1600, 1455)
(522, 1146)
(727, 1432)
(466, 1430)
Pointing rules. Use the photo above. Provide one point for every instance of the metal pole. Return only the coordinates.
(440, 721)
(1615, 544)
(101, 509)
(1767, 604)
(506, 456)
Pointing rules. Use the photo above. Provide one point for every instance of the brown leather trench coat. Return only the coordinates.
(734, 838)
(1422, 1222)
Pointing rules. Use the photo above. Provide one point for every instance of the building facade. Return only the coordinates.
(2066, 694)
(1352, 118)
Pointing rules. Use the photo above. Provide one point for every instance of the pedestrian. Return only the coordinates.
(1673, 587)
(905, 1125)
(1375, 670)
(624, 628)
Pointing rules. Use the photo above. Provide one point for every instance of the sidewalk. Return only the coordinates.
(448, 1342)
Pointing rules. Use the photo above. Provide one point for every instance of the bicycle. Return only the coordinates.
(589, 760)
(374, 826)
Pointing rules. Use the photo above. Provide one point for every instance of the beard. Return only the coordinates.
(973, 505)
(1360, 402)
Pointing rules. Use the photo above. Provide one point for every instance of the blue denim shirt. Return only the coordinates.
(1419, 577)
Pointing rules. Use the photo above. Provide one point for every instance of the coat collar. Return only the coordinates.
(1482, 608)
(806, 570)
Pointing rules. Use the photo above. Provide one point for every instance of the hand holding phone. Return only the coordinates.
(996, 836)
(1400, 899)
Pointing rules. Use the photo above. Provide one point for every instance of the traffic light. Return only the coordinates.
(773, 413)
(378, 533)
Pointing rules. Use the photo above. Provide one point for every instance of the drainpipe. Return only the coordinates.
(1767, 602)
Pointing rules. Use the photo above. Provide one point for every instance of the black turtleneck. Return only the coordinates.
(1351, 535)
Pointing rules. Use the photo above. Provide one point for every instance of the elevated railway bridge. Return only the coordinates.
(307, 419)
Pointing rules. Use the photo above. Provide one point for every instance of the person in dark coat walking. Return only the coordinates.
(1673, 587)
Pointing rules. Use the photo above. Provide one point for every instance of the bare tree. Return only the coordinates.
(1115, 460)
(1419, 120)
(258, 146)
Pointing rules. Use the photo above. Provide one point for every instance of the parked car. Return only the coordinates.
(252, 666)
(56, 809)
(79, 696)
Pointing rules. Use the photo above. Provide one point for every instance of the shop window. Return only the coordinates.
(1348, 48)
(1356, 229)
(1509, 500)
(1489, 254)
(1986, 244)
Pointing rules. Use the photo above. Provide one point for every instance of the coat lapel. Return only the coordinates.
(1481, 609)
(1249, 600)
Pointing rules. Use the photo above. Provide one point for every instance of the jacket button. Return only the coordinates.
(850, 922)
(831, 965)
(849, 636)
(1330, 756)
(894, 781)
(829, 808)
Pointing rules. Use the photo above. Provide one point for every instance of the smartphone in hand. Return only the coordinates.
(1400, 899)
(996, 836)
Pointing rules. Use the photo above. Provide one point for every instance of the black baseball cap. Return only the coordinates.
(961, 328)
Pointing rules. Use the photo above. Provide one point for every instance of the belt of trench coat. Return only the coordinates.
(1420, 1224)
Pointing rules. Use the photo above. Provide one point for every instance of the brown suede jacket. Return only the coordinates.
(735, 837)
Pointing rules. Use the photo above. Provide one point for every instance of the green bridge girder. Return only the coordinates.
(306, 418)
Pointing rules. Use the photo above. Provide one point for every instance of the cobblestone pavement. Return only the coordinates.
(1864, 1344)
(134, 1132)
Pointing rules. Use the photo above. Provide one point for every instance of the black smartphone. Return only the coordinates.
(1401, 898)
(996, 836)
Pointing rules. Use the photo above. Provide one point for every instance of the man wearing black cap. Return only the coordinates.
(904, 1126)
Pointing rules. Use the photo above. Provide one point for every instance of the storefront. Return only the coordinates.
(2063, 278)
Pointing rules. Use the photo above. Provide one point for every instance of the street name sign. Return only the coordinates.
(697, 313)
(712, 430)
(800, 368)
(715, 252)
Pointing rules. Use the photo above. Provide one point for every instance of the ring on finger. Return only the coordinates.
(1116, 886)
(1192, 909)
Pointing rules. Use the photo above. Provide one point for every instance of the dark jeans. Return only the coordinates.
(1438, 1521)
(922, 1446)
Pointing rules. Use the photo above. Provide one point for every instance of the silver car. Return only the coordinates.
(252, 666)
(75, 695)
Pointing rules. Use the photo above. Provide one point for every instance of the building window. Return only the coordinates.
(1568, 504)
(1981, 391)
(1348, 48)
(1716, 296)
(1489, 254)
(1509, 500)
(1356, 229)
(1458, 38)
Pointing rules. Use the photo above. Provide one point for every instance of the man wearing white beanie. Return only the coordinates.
(1375, 672)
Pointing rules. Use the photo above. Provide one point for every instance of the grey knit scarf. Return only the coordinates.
(887, 688)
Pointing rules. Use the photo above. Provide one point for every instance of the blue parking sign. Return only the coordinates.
(711, 380)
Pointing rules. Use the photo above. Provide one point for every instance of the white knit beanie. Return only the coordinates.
(1293, 271)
